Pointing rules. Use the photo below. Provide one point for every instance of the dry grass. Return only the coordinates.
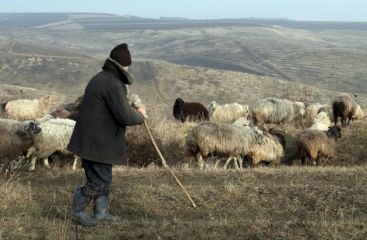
(261, 203)
(286, 202)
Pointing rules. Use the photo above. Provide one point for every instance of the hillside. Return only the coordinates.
(327, 55)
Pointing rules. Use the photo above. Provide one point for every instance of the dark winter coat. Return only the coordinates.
(99, 133)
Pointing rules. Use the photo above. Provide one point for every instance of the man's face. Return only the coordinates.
(126, 68)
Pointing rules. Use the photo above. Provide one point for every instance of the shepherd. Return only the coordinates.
(99, 135)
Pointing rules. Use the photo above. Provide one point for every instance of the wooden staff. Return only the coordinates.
(164, 163)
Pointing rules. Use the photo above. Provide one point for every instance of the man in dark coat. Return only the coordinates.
(99, 134)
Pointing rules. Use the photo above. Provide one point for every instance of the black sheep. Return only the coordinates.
(190, 111)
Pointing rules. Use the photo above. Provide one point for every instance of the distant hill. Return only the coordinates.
(262, 56)
(99, 21)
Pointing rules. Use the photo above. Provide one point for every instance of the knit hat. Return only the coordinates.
(121, 54)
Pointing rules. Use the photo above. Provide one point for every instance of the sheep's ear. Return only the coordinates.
(48, 99)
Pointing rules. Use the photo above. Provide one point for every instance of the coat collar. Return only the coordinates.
(117, 70)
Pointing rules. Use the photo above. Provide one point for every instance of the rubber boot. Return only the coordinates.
(77, 210)
(100, 209)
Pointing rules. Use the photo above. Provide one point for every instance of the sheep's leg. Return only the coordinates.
(46, 163)
(217, 164)
(227, 162)
(200, 161)
(75, 163)
(349, 119)
(318, 161)
(240, 162)
(32, 167)
(303, 160)
(235, 163)
(344, 121)
(30, 151)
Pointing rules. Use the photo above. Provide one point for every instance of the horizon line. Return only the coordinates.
(187, 18)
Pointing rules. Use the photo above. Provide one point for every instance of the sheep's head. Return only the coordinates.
(280, 134)
(28, 129)
(179, 101)
(358, 114)
(246, 108)
(300, 108)
(178, 108)
(334, 132)
(259, 136)
(48, 100)
(325, 108)
(241, 122)
(76, 104)
(322, 117)
(212, 106)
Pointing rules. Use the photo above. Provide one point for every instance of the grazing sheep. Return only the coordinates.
(25, 109)
(69, 110)
(227, 113)
(221, 138)
(272, 151)
(358, 113)
(61, 113)
(345, 107)
(321, 122)
(313, 109)
(189, 111)
(16, 138)
(313, 144)
(274, 110)
(55, 136)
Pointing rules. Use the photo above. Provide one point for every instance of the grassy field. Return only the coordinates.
(276, 202)
(203, 61)
(261, 203)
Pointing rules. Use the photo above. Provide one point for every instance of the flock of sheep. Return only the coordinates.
(240, 133)
(29, 129)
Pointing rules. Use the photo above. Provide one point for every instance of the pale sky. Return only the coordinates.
(324, 10)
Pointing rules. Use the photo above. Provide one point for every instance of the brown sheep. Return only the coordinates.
(345, 107)
(16, 138)
(69, 110)
(314, 144)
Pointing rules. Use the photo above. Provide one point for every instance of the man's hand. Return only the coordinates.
(143, 111)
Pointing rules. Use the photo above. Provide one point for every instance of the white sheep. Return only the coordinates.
(25, 109)
(275, 110)
(221, 138)
(227, 113)
(55, 136)
(272, 151)
(321, 122)
(358, 113)
(313, 109)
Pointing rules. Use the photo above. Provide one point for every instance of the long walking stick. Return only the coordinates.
(164, 163)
